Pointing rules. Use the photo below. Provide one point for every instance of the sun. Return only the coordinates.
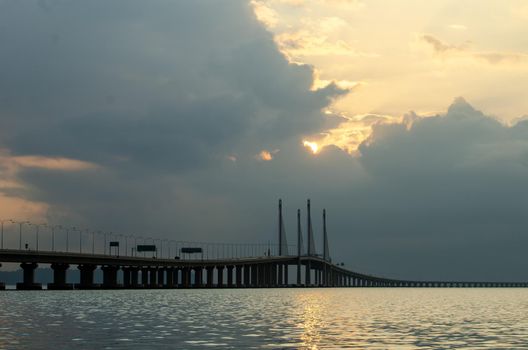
(312, 146)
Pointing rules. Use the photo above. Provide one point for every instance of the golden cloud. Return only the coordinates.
(266, 155)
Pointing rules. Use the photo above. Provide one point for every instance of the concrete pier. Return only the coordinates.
(161, 277)
(247, 281)
(230, 276)
(87, 277)
(2, 285)
(219, 276)
(170, 278)
(186, 277)
(198, 278)
(59, 277)
(144, 276)
(153, 277)
(238, 274)
(110, 277)
(127, 283)
(29, 277)
(210, 276)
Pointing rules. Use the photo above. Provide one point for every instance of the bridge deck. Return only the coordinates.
(262, 271)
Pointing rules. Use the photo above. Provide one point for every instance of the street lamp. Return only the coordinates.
(126, 243)
(20, 223)
(93, 242)
(68, 237)
(37, 226)
(105, 233)
(80, 239)
(53, 227)
(2, 232)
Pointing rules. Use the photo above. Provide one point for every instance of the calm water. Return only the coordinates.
(260, 319)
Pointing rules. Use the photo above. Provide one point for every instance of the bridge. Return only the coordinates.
(219, 265)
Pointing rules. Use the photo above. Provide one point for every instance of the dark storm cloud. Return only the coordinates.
(168, 84)
(159, 94)
(450, 195)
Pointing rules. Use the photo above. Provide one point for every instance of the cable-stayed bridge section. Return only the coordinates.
(165, 263)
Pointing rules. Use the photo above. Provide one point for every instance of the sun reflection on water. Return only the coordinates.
(312, 319)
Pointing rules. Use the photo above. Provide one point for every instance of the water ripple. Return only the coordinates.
(266, 319)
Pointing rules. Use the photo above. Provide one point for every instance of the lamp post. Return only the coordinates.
(105, 233)
(134, 249)
(93, 242)
(20, 223)
(80, 240)
(168, 247)
(161, 246)
(37, 227)
(2, 232)
(53, 227)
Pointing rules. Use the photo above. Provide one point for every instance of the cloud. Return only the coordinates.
(462, 51)
(152, 98)
(318, 37)
(449, 192)
(59, 163)
(457, 27)
(265, 155)
(265, 14)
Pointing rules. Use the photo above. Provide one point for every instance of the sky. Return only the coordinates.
(188, 120)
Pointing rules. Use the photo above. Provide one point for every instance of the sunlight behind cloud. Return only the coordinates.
(266, 155)
(312, 146)
(414, 56)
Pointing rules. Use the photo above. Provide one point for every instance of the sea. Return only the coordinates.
(302, 318)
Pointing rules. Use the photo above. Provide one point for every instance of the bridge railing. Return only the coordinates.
(30, 236)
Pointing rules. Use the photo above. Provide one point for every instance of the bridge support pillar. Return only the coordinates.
(238, 274)
(2, 285)
(220, 276)
(210, 272)
(134, 281)
(59, 277)
(161, 277)
(198, 276)
(280, 276)
(308, 275)
(286, 279)
(273, 275)
(153, 277)
(254, 276)
(169, 278)
(186, 277)
(87, 274)
(299, 283)
(145, 277)
(110, 276)
(230, 276)
(126, 277)
(261, 275)
(265, 275)
(29, 277)
(247, 282)
(176, 278)
(187, 271)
